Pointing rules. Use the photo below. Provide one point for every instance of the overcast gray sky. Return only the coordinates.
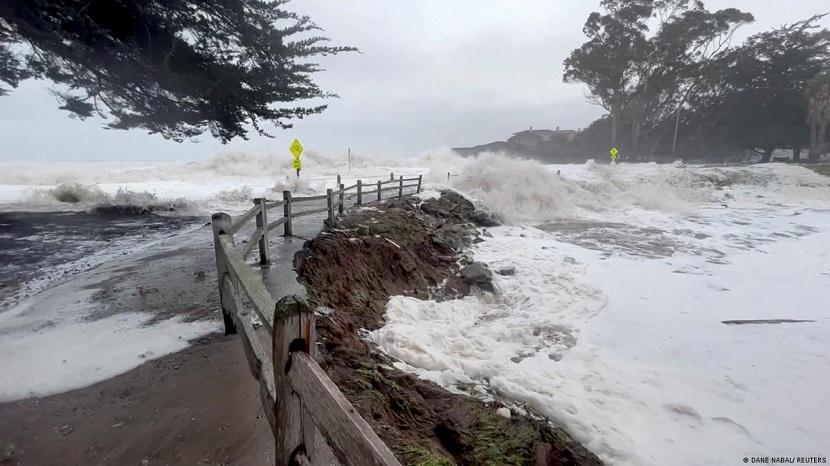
(432, 73)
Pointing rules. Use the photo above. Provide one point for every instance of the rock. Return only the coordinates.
(485, 219)
(476, 273)
(542, 453)
(143, 290)
(449, 238)
(450, 205)
(477, 239)
(506, 271)
(487, 234)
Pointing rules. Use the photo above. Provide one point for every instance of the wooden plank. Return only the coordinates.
(277, 223)
(330, 205)
(393, 188)
(294, 320)
(222, 223)
(765, 321)
(262, 226)
(370, 192)
(258, 361)
(349, 188)
(243, 219)
(308, 198)
(286, 197)
(272, 204)
(350, 436)
(250, 283)
(251, 244)
(309, 212)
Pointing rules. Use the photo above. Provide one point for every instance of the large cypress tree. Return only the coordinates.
(175, 67)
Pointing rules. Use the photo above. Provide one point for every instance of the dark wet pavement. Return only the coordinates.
(37, 245)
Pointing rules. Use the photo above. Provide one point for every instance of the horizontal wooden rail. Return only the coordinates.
(349, 188)
(271, 204)
(260, 364)
(308, 198)
(243, 219)
(252, 243)
(369, 192)
(352, 439)
(241, 272)
(393, 188)
(277, 223)
(309, 212)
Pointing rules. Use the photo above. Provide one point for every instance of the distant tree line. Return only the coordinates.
(674, 85)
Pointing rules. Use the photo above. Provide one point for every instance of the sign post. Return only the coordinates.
(614, 153)
(296, 149)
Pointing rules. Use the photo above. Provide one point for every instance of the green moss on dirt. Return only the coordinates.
(354, 267)
(820, 169)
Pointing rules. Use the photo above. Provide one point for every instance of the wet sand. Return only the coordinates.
(198, 407)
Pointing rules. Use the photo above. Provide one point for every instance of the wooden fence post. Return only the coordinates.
(330, 204)
(420, 177)
(400, 188)
(286, 196)
(448, 176)
(391, 177)
(380, 185)
(262, 223)
(359, 192)
(341, 199)
(293, 331)
(221, 225)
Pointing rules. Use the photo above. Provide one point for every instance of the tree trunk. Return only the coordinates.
(797, 154)
(676, 128)
(815, 155)
(767, 155)
(614, 119)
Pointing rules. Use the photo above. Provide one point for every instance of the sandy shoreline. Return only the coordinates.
(198, 406)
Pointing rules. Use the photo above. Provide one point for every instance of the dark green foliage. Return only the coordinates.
(175, 67)
(672, 82)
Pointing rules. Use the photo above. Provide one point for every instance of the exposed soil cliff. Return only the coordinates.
(413, 248)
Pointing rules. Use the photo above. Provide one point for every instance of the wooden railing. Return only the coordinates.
(335, 202)
(313, 423)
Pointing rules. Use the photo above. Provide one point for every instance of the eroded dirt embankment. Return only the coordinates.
(406, 247)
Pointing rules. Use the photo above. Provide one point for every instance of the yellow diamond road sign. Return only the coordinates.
(614, 152)
(296, 149)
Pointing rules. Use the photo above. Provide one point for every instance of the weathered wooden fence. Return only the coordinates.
(313, 423)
